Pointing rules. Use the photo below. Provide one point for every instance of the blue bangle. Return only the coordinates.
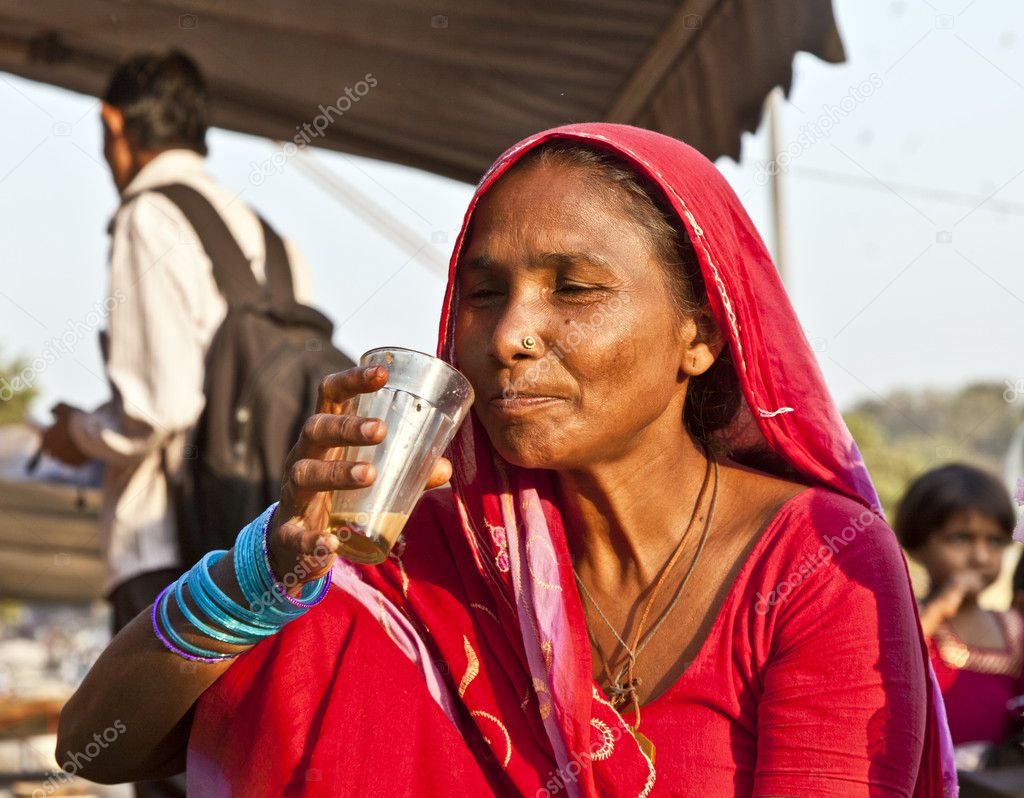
(318, 587)
(261, 593)
(178, 640)
(206, 629)
(217, 605)
(162, 637)
(270, 606)
(259, 584)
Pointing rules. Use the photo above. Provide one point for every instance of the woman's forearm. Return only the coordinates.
(138, 697)
(135, 703)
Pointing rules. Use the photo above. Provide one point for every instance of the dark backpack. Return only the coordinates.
(262, 371)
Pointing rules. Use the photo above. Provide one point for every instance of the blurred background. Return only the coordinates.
(876, 144)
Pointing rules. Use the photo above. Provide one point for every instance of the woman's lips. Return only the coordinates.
(520, 404)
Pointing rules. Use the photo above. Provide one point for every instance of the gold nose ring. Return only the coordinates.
(529, 342)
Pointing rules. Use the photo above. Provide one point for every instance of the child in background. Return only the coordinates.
(957, 521)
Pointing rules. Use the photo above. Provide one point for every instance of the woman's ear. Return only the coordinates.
(705, 344)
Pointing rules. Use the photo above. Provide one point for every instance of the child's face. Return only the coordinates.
(968, 541)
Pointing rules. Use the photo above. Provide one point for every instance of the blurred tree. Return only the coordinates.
(15, 399)
(906, 433)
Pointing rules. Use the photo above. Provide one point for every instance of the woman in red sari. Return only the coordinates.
(659, 568)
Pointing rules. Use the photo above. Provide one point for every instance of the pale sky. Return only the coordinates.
(903, 203)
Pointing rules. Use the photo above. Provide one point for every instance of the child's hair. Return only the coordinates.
(937, 495)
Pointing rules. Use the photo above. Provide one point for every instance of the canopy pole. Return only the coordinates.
(773, 112)
(381, 219)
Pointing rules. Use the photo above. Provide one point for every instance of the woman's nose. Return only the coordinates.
(519, 332)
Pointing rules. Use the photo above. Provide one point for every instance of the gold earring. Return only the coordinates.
(529, 342)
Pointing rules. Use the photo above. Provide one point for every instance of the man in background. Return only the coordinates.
(164, 309)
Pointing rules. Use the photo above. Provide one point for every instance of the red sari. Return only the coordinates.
(463, 665)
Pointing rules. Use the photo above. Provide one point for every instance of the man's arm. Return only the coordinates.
(159, 278)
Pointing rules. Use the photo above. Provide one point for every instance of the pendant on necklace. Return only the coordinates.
(623, 692)
(645, 743)
(627, 691)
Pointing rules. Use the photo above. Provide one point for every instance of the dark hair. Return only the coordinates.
(938, 495)
(713, 398)
(163, 97)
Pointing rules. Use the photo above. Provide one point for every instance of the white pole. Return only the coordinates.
(386, 223)
(774, 108)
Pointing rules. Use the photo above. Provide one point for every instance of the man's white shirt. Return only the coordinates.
(164, 308)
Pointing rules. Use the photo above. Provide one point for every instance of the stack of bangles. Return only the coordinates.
(215, 614)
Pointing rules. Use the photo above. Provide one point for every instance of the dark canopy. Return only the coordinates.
(442, 86)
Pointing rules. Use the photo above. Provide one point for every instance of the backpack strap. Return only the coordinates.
(231, 269)
(278, 271)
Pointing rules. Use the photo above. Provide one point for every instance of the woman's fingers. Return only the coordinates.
(309, 476)
(308, 541)
(323, 475)
(442, 473)
(336, 389)
(969, 581)
(325, 431)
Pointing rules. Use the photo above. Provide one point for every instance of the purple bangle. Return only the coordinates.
(168, 644)
(280, 588)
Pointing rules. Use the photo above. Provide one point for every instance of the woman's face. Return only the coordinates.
(553, 258)
(968, 541)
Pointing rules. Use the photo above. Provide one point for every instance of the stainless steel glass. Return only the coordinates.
(423, 403)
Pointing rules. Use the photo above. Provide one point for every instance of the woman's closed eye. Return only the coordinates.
(578, 291)
(574, 292)
(573, 288)
(483, 295)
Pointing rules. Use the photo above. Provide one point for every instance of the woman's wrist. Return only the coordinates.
(230, 600)
(278, 559)
(265, 589)
(290, 569)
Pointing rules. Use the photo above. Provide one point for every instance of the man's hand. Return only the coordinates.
(57, 441)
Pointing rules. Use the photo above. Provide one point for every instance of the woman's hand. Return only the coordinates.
(298, 539)
(946, 603)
